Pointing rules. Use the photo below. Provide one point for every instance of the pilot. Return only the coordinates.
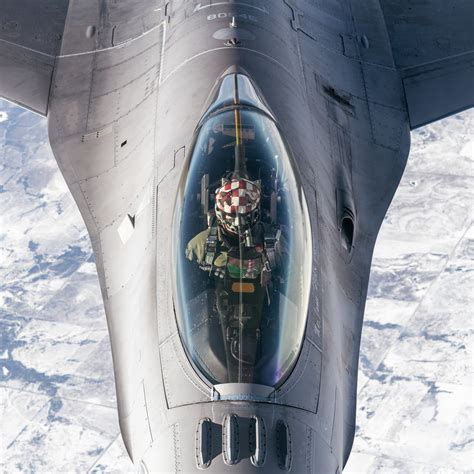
(240, 252)
(235, 244)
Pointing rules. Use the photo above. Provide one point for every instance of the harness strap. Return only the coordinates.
(271, 242)
(211, 245)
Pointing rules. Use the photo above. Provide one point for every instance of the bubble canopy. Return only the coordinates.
(242, 248)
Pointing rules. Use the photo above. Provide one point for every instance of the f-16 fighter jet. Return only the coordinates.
(233, 162)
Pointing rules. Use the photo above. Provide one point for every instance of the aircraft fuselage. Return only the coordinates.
(123, 115)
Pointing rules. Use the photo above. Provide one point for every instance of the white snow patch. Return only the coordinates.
(468, 150)
(3, 116)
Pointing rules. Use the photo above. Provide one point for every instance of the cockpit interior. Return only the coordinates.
(243, 244)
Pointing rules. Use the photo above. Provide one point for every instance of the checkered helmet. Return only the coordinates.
(238, 204)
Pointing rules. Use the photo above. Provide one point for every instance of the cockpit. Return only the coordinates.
(242, 245)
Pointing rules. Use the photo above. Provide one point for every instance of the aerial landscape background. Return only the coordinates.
(415, 396)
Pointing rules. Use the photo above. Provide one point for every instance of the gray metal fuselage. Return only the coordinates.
(123, 112)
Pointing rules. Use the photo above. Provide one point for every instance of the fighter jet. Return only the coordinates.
(233, 162)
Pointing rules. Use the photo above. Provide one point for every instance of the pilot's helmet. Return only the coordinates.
(238, 205)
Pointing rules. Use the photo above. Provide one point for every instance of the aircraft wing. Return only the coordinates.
(30, 39)
(433, 48)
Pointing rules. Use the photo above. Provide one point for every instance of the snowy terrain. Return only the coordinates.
(57, 400)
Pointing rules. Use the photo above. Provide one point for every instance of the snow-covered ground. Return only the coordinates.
(57, 400)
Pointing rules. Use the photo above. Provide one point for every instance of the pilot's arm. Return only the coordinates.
(196, 248)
